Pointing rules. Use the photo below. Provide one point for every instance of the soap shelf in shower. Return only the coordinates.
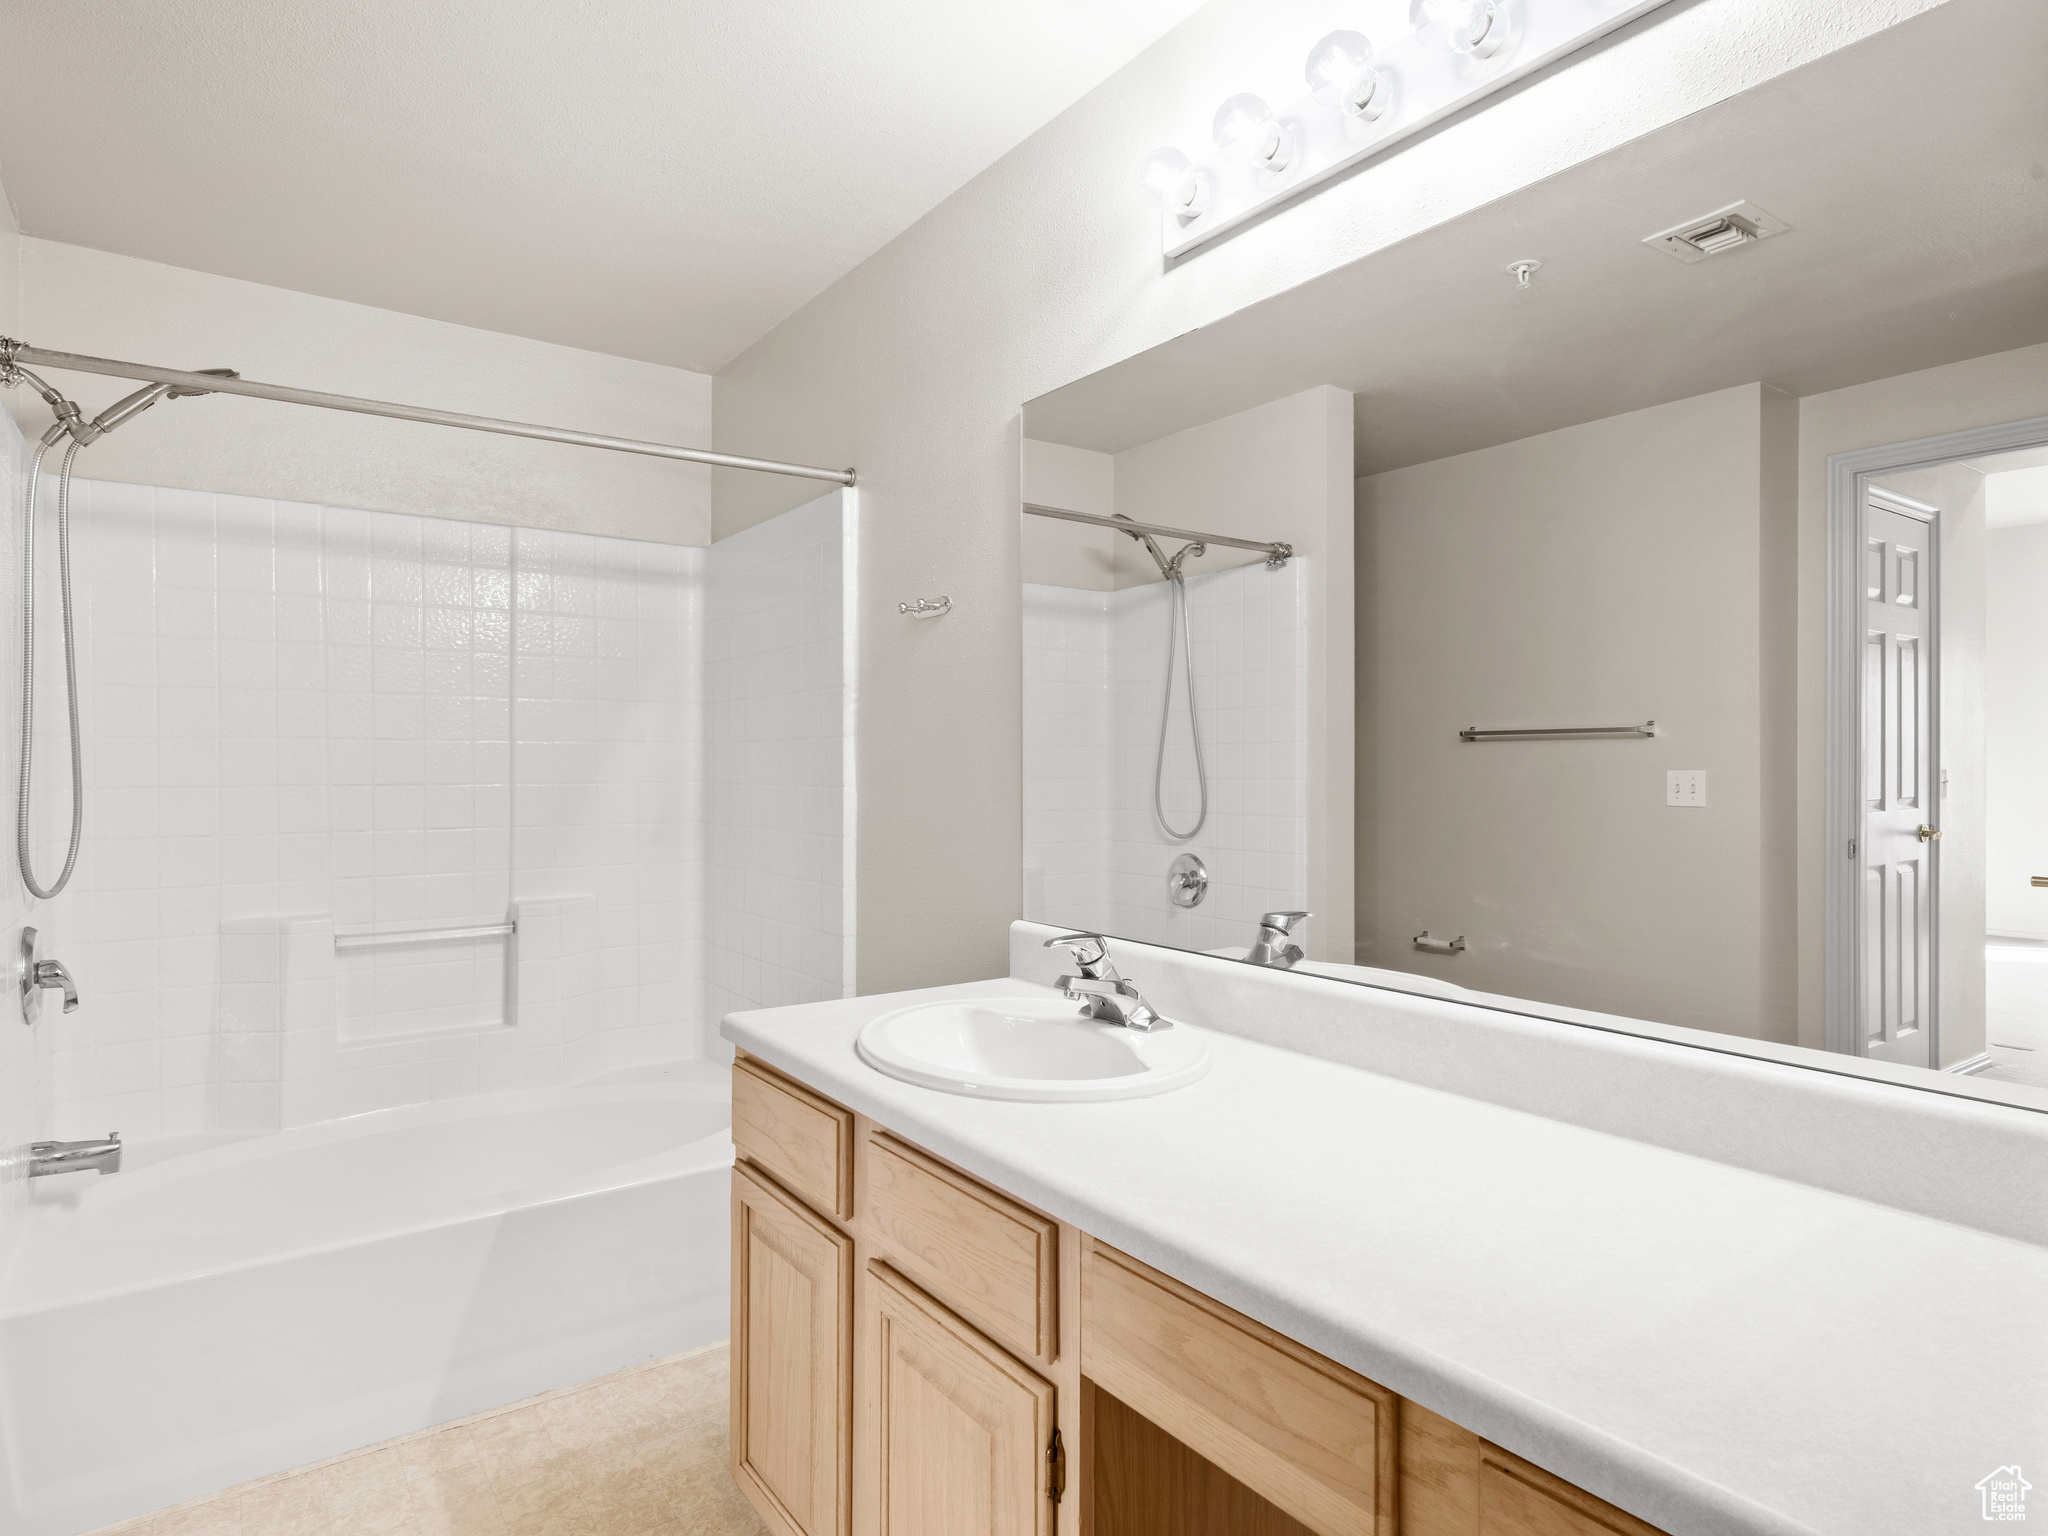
(377, 938)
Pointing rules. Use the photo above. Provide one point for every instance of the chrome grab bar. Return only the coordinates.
(369, 938)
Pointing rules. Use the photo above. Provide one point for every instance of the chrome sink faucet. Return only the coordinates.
(1276, 946)
(47, 1157)
(1101, 992)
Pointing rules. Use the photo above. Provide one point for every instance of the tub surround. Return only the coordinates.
(1655, 1272)
(298, 1295)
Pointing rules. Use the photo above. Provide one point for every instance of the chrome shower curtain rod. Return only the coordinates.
(1276, 554)
(12, 351)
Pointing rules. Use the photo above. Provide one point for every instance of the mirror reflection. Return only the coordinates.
(1662, 623)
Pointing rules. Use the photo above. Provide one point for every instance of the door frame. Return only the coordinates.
(1849, 476)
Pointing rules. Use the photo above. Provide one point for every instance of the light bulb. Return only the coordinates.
(1181, 188)
(1478, 29)
(1341, 76)
(1247, 124)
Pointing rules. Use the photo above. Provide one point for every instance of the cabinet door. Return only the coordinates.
(792, 1363)
(962, 1429)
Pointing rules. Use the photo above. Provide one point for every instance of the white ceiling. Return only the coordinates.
(2016, 498)
(1919, 237)
(660, 179)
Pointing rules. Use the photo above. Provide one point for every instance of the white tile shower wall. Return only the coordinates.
(21, 1052)
(1250, 628)
(370, 721)
(1250, 650)
(1067, 763)
(776, 735)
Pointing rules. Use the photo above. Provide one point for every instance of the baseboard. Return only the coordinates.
(1976, 1063)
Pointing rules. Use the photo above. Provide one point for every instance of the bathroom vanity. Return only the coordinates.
(1313, 1292)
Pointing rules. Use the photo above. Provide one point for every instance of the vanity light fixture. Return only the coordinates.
(1362, 101)
(1478, 29)
(1182, 190)
(1341, 76)
(1246, 124)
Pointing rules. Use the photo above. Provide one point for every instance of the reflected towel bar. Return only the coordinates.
(366, 938)
(1537, 733)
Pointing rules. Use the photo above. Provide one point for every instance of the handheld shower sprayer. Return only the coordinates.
(70, 423)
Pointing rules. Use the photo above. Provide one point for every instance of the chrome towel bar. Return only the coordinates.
(1539, 733)
(367, 938)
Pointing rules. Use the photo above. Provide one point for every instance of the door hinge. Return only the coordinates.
(1852, 849)
(1055, 1468)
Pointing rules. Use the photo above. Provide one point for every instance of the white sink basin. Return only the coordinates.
(1033, 1048)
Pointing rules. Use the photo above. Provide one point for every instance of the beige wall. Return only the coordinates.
(10, 268)
(1958, 491)
(76, 300)
(1047, 267)
(1058, 554)
(1623, 570)
(2007, 386)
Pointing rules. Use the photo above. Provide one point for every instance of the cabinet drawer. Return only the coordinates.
(1517, 1498)
(1455, 1484)
(1300, 1431)
(992, 1259)
(802, 1139)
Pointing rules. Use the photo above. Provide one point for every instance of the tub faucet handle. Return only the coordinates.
(38, 974)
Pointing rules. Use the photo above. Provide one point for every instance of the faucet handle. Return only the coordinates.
(1090, 951)
(1283, 922)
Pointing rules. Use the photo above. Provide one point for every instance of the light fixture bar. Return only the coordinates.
(1424, 86)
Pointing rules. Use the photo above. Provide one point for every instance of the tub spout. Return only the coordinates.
(75, 1156)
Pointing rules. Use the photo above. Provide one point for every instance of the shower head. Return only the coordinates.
(124, 409)
(131, 406)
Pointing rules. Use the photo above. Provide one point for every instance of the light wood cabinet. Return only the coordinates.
(792, 1366)
(994, 1260)
(1309, 1436)
(1455, 1484)
(916, 1353)
(801, 1138)
(962, 1428)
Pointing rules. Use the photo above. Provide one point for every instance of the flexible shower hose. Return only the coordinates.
(28, 672)
(1178, 597)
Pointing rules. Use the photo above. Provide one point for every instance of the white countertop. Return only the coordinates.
(1714, 1349)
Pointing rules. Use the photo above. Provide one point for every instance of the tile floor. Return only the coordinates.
(638, 1453)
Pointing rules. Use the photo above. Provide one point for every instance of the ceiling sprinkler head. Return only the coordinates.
(1523, 271)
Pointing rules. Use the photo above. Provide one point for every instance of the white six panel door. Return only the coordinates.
(1896, 938)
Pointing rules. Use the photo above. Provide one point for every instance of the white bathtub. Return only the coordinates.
(178, 1328)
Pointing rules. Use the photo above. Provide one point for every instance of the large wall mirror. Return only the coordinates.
(1657, 634)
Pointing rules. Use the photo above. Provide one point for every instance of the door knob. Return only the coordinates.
(1929, 834)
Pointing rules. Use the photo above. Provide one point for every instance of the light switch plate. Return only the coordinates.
(1685, 786)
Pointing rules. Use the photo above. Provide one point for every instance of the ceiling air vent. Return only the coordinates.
(1725, 229)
